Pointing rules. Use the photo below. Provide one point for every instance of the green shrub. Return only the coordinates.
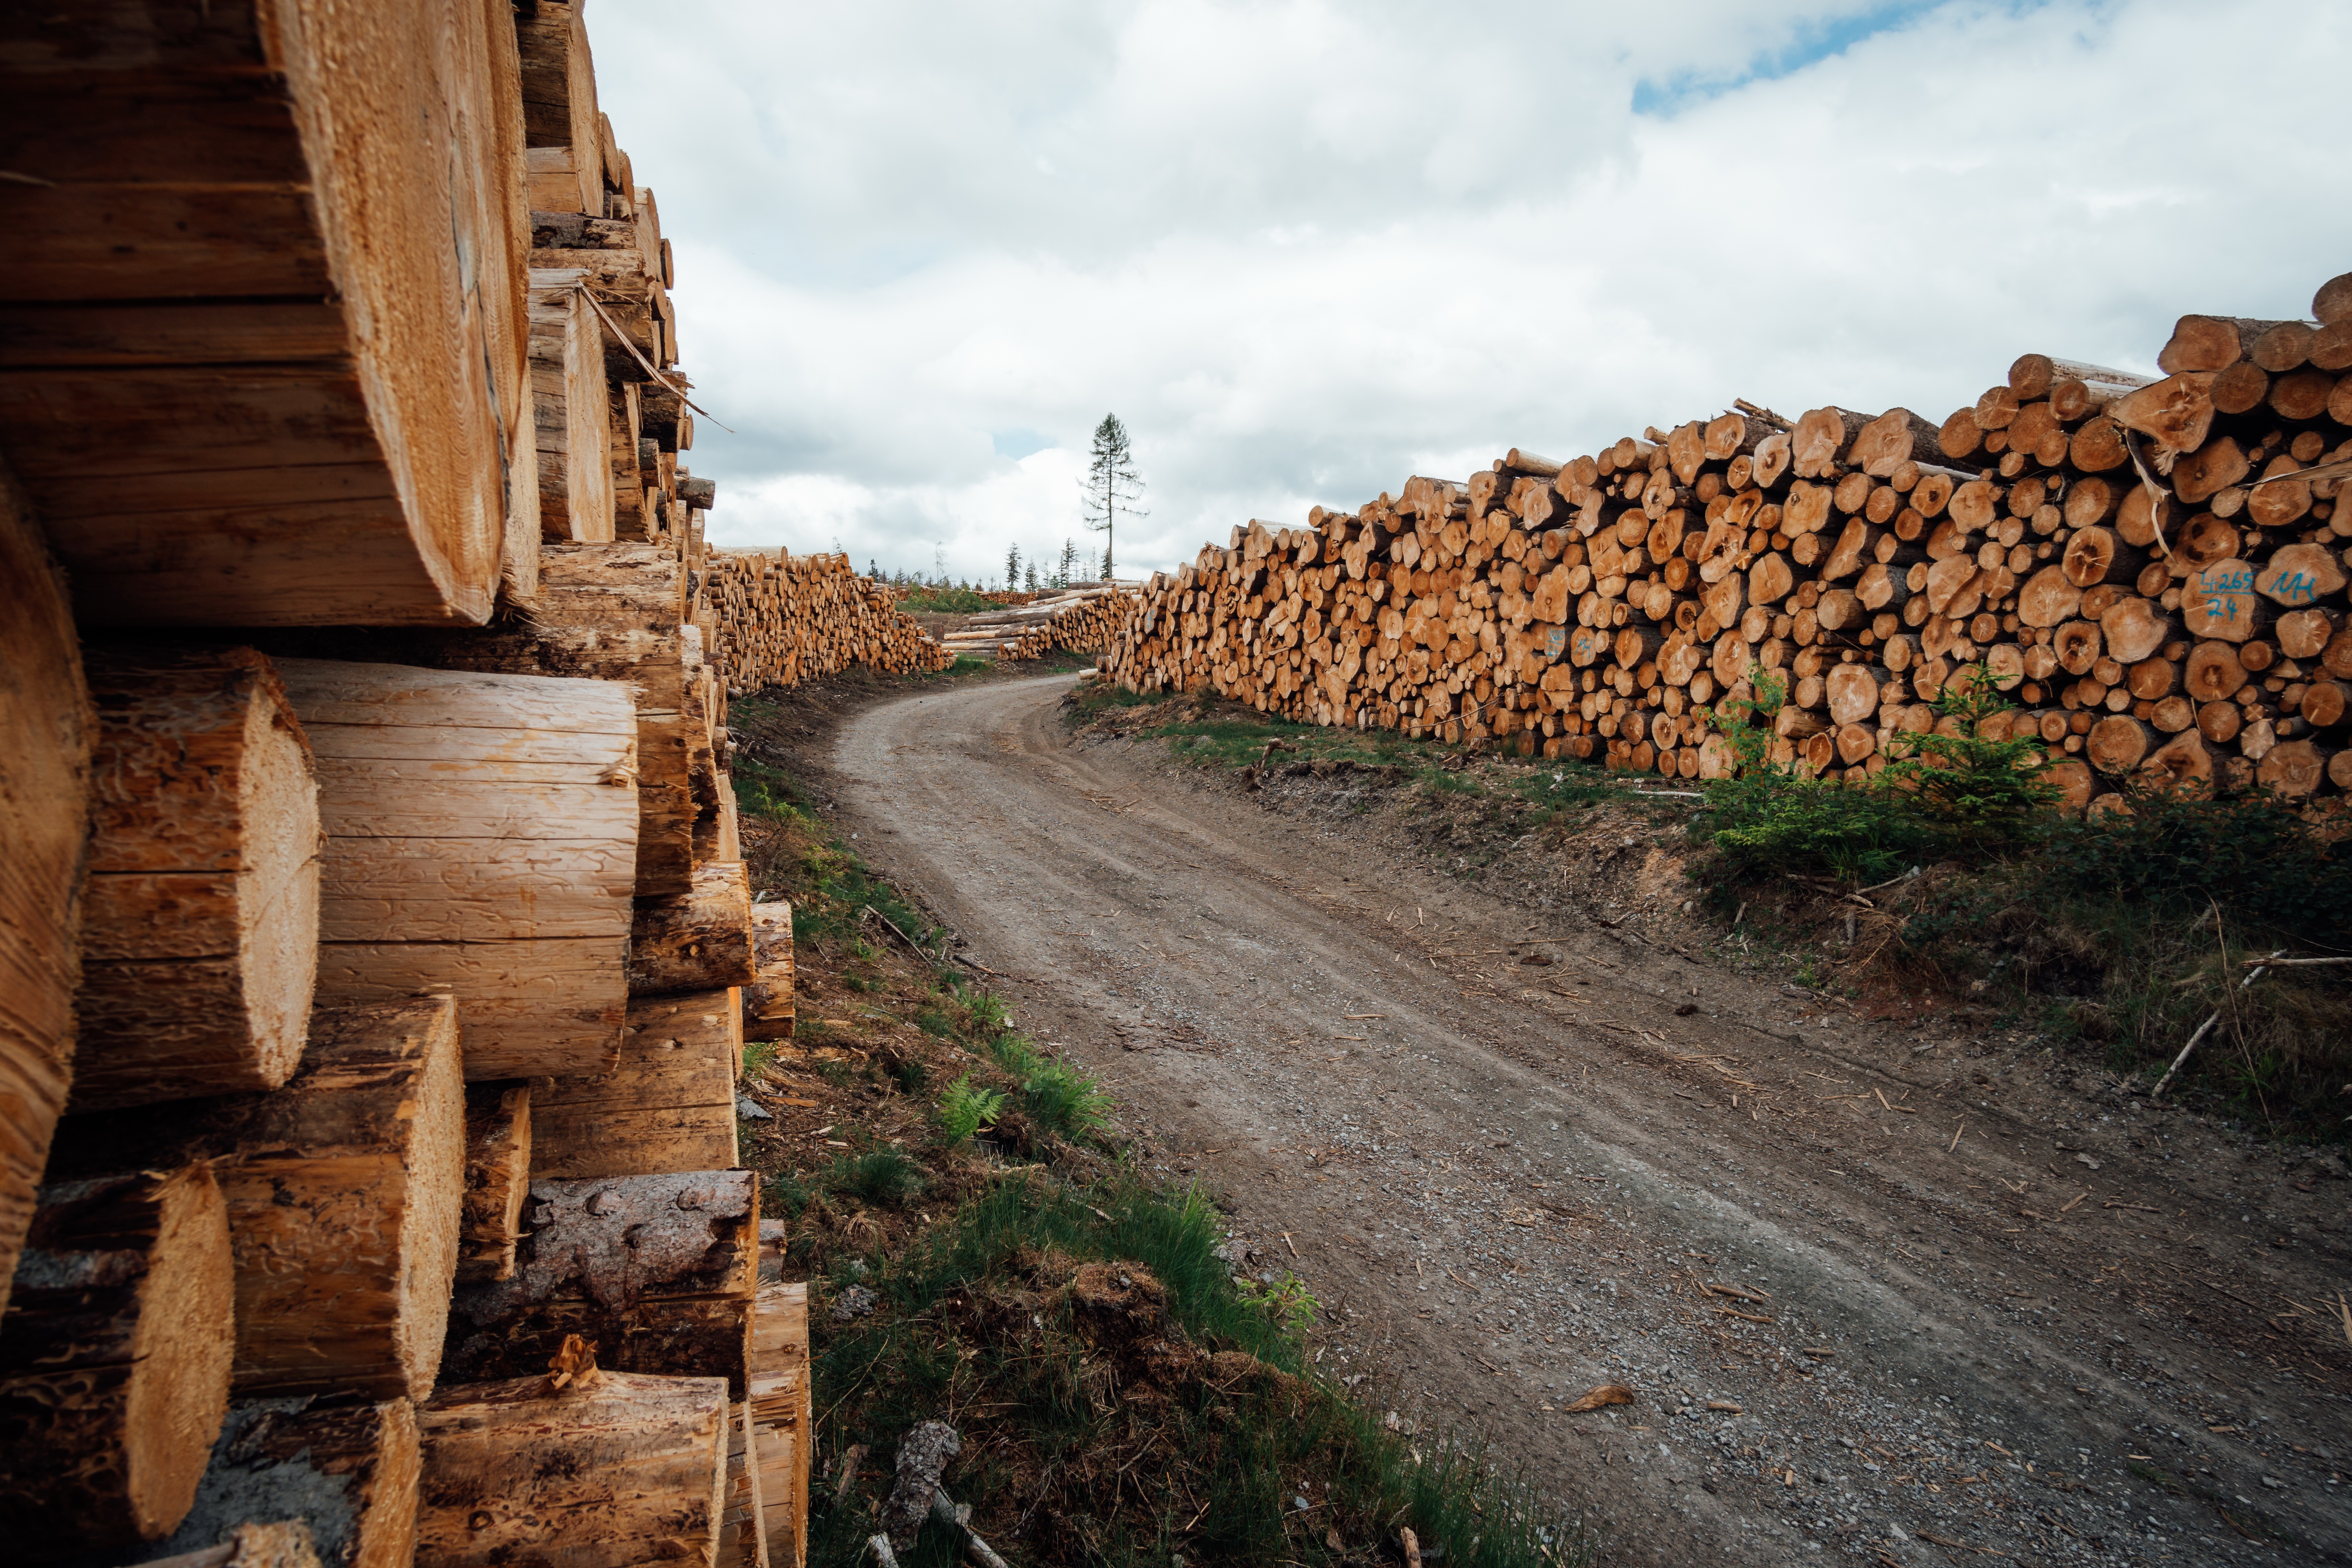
(1063, 1100)
(1015, 1054)
(965, 1108)
(884, 1176)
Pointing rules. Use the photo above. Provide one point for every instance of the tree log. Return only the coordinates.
(2220, 602)
(2209, 343)
(1820, 438)
(343, 1199)
(497, 1176)
(1893, 439)
(768, 1000)
(481, 834)
(351, 1467)
(669, 1106)
(612, 1471)
(743, 1535)
(2135, 628)
(571, 412)
(2177, 411)
(200, 940)
(285, 1544)
(653, 1271)
(47, 728)
(698, 940)
(115, 1360)
(782, 1414)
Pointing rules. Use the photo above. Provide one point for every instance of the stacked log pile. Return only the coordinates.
(1084, 619)
(374, 944)
(783, 619)
(2152, 570)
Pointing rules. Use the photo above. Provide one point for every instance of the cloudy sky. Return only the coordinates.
(1305, 248)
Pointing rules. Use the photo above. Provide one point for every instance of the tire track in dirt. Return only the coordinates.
(1864, 1311)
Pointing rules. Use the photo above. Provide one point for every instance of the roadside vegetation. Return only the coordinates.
(981, 1251)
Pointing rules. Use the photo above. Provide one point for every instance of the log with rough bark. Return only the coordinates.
(266, 350)
(47, 728)
(655, 1272)
(609, 1472)
(768, 1000)
(697, 941)
(669, 1106)
(498, 1178)
(115, 1360)
(352, 1465)
(344, 1191)
(481, 835)
(200, 938)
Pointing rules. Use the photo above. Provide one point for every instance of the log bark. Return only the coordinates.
(47, 728)
(698, 940)
(768, 1001)
(343, 1199)
(375, 167)
(623, 1470)
(201, 935)
(115, 1360)
(654, 1272)
(481, 834)
(669, 1106)
(498, 1178)
(352, 1467)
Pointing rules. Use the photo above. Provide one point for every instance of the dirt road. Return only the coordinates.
(1872, 1299)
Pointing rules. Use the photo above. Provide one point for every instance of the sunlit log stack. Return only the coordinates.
(781, 619)
(373, 898)
(2153, 573)
(1084, 619)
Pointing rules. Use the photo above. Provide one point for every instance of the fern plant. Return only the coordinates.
(965, 1108)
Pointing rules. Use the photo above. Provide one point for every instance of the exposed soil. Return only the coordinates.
(1884, 1289)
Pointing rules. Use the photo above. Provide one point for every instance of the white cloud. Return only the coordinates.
(1307, 248)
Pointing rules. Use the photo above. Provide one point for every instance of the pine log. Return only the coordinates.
(699, 941)
(343, 1198)
(497, 1177)
(284, 1544)
(1821, 439)
(2292, 770)
(768, 1000)
(1893, 439)
(370, 167)
(783, 1418)
(200, 939)
(742, 1538)
(115, 1360)
(351, 1467)
(612, 1471)
(569, 414)
(653, 1272)
(669, 1106)
(47, 728)
(2182, 764)
(2220, 602)
(2209, 343)
(481, 834)
(2177, 412)
(2135, 628)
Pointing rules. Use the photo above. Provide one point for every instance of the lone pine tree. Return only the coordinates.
(1111, 486)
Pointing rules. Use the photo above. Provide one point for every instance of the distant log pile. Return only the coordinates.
(784, 619)
(1085, 618)
(373, 981)
(2153, 570)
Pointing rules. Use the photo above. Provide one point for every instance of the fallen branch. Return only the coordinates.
(2207, 1027)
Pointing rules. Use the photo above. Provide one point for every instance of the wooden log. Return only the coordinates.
(768, 1000)
(1893, 439)
(498, 1178)
(698, 940)
(2292, 770)
(2209, 343)
(201, 934)
(612, 1471)
(343, 1198)
(1821, 439)
(2177, 412)
(2119, 743)
(47, 728)
(2183, 764)
(669, 1106)
(2135, 628)
(651, 1271)
(2219, 601)
(783, 1417)
(570, 413)
(742, 1541)
(363, 481)
(284, 1544)
(481, 834)
(115, 1360)
(350, 1466)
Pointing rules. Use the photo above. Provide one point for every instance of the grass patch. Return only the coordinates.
(883, 1176)
(1090, 1337)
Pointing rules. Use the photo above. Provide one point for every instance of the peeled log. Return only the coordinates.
(768, 1000)
(697, 941)
(497, 1177)
(343, 1198)
(669, 1106)
(352, 1470)
(481, 837)
(115, 1360)
(653, 1271)
(200, 939)
(47, 728)
(613, 1471)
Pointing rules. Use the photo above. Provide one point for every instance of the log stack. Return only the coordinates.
(2153, 570)
(782, 620)
(384, 956)
(1084, 619)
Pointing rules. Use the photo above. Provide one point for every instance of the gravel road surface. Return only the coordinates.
(1872, 1301)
